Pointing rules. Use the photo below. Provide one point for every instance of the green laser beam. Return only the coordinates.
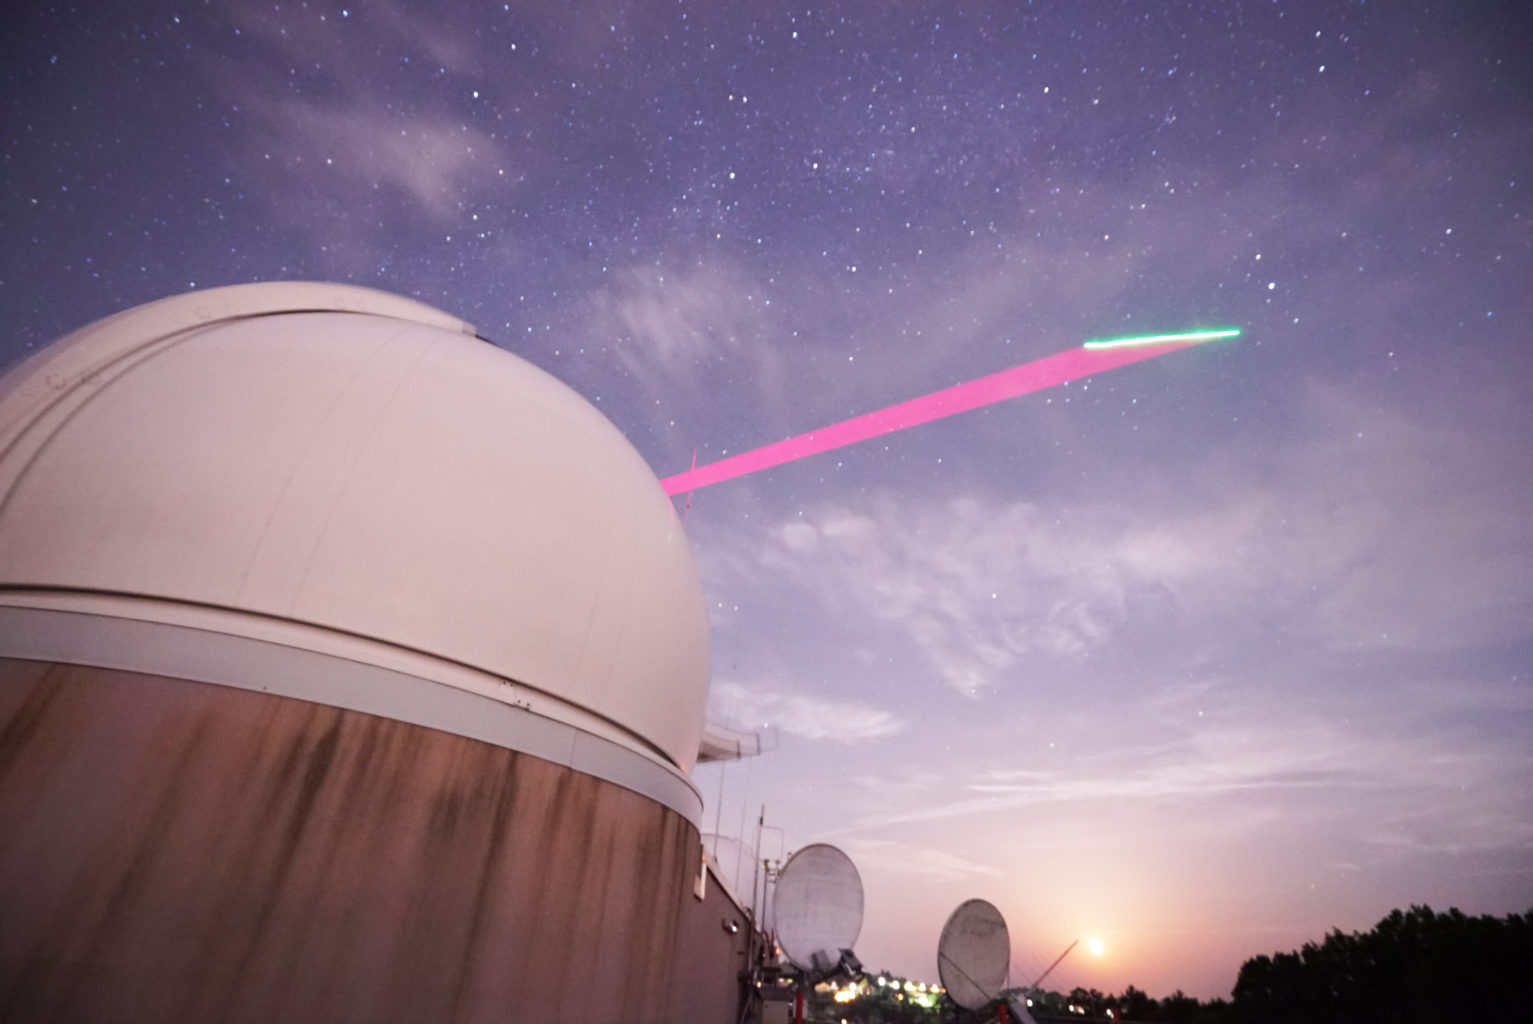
(1153, 339)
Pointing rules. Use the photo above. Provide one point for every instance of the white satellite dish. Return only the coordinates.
(817, 906)
(974, 954)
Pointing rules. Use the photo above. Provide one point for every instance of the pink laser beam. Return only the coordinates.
(1071, 364)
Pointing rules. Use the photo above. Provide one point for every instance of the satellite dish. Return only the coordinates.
(817, 906)
(973, 954)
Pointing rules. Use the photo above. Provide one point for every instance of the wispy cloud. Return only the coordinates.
(1383, 532)
(1217, 764)
(353, 162)
(356, 148)
(1365, 784)
(295, 35)
(888, 856)
(975, 585)
(674, 326)
(804, 715)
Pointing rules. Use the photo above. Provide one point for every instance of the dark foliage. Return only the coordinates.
(1413, 966)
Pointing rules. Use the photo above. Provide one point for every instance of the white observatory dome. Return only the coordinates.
(358, 465)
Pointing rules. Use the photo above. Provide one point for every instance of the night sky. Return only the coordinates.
(1204, 656)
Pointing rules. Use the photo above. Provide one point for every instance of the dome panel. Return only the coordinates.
(382, 476)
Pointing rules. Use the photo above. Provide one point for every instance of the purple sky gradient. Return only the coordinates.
(1204, 656)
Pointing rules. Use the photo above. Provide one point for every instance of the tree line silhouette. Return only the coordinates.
(1413, 966)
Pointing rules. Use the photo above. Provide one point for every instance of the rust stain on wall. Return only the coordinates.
(181, 851)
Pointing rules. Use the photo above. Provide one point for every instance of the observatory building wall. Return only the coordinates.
(351, 669)
(182, 851)
(716, 952)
